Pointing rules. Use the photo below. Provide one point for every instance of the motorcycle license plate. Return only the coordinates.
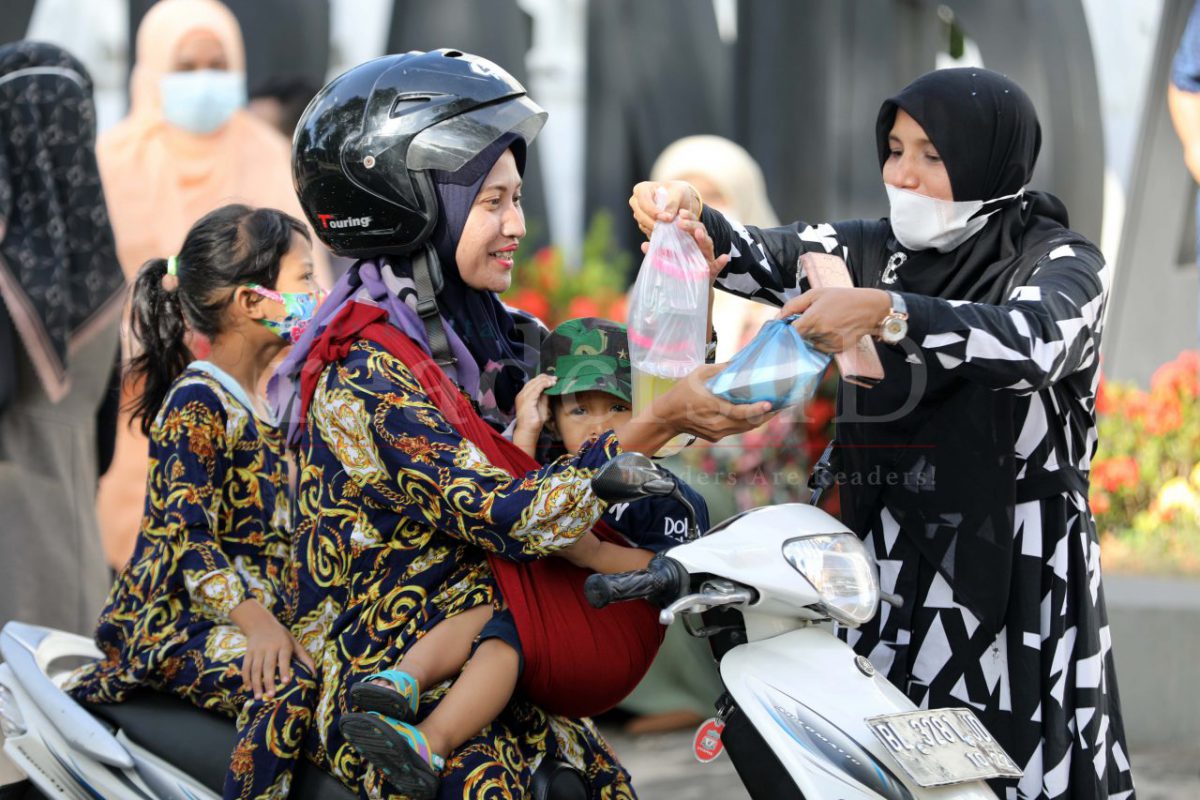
(943, 746)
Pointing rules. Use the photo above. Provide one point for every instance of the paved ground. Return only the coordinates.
(663, 768)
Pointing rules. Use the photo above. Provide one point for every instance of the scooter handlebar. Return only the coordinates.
(660, 582)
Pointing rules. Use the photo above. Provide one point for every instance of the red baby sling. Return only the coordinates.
(579, 661)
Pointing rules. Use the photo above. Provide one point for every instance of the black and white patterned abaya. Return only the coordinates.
(965, 471)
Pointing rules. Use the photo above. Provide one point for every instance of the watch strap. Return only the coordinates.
(710, 349)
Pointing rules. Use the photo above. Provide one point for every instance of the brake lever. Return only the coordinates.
(711, 595)
(694, 625)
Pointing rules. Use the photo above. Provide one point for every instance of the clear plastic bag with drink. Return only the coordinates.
(668, 315)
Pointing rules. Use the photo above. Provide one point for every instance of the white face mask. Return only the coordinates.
(203, 100)
(920, 222)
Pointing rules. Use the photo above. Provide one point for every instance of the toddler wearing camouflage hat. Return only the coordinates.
(584, 389)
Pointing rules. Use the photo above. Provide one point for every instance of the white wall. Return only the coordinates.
(1123, 34)
(96, 32)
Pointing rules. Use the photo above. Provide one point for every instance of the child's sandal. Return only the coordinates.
(399, 702)
(398, 750)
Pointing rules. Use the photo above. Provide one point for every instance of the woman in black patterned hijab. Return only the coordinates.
(62, 290)
(58, 267)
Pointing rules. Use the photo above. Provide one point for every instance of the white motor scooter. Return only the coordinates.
(802, 716)
(150, 747)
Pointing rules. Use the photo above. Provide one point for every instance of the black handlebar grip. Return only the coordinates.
(600, 590)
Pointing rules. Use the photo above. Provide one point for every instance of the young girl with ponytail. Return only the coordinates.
(202, 609)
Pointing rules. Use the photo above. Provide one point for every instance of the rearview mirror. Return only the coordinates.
(630, 476)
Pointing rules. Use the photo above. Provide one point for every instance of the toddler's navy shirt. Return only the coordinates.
(656, 523)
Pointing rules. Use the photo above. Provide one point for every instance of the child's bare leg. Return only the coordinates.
(441, 653)
(477, 697)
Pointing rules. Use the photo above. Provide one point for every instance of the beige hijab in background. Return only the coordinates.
(730, 180)
(158, 180)
(681, 686)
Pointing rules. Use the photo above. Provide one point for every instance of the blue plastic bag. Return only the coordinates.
(778, 366)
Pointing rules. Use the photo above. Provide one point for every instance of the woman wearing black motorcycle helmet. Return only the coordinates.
(412, 163)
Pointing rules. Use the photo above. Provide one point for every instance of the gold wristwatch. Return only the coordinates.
(894, 326)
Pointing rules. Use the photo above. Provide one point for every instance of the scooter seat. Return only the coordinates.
(199, 742)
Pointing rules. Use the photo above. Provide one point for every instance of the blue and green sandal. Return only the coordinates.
(399, 702)
(398, 750)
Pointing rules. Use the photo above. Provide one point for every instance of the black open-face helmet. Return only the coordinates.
(364, 147)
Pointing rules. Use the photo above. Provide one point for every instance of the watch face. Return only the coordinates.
(894, 329)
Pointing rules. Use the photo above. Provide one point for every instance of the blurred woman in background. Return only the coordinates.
(62, 290)
(186, 148)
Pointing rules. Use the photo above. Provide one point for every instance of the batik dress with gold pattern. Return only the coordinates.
(397, 514)
(215, 532)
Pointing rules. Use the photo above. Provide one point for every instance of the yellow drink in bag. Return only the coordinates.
(668, 316)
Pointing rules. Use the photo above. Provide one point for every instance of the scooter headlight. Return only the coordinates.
(838, 567)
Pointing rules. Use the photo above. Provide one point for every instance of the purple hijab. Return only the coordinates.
(378, 283)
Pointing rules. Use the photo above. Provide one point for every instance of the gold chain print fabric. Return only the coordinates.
(397, 513)
(216, 530)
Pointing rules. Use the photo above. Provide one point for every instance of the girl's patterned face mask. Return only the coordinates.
(299, 308)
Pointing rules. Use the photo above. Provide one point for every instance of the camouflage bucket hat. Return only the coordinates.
(588, 354)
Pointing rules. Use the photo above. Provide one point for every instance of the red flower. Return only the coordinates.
(1106, 402)
(1101, 503)
(199, 344)
(530, 300)
(1137, 405)
(582, 306)
(1113, 474)
(619, 310)
(820, 410)
(1180, 377)
(1166, 414)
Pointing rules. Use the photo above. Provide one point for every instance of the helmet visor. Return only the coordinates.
(450, 144)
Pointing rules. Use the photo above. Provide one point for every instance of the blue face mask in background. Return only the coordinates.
(203, 100)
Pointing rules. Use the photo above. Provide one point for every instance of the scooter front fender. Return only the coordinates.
(809, 696)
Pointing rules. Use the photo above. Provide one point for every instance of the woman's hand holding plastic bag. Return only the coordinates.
(682, 205)
(833, 318)
(688, 407)
(668, 307)
(680, 196)
(668, 313)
